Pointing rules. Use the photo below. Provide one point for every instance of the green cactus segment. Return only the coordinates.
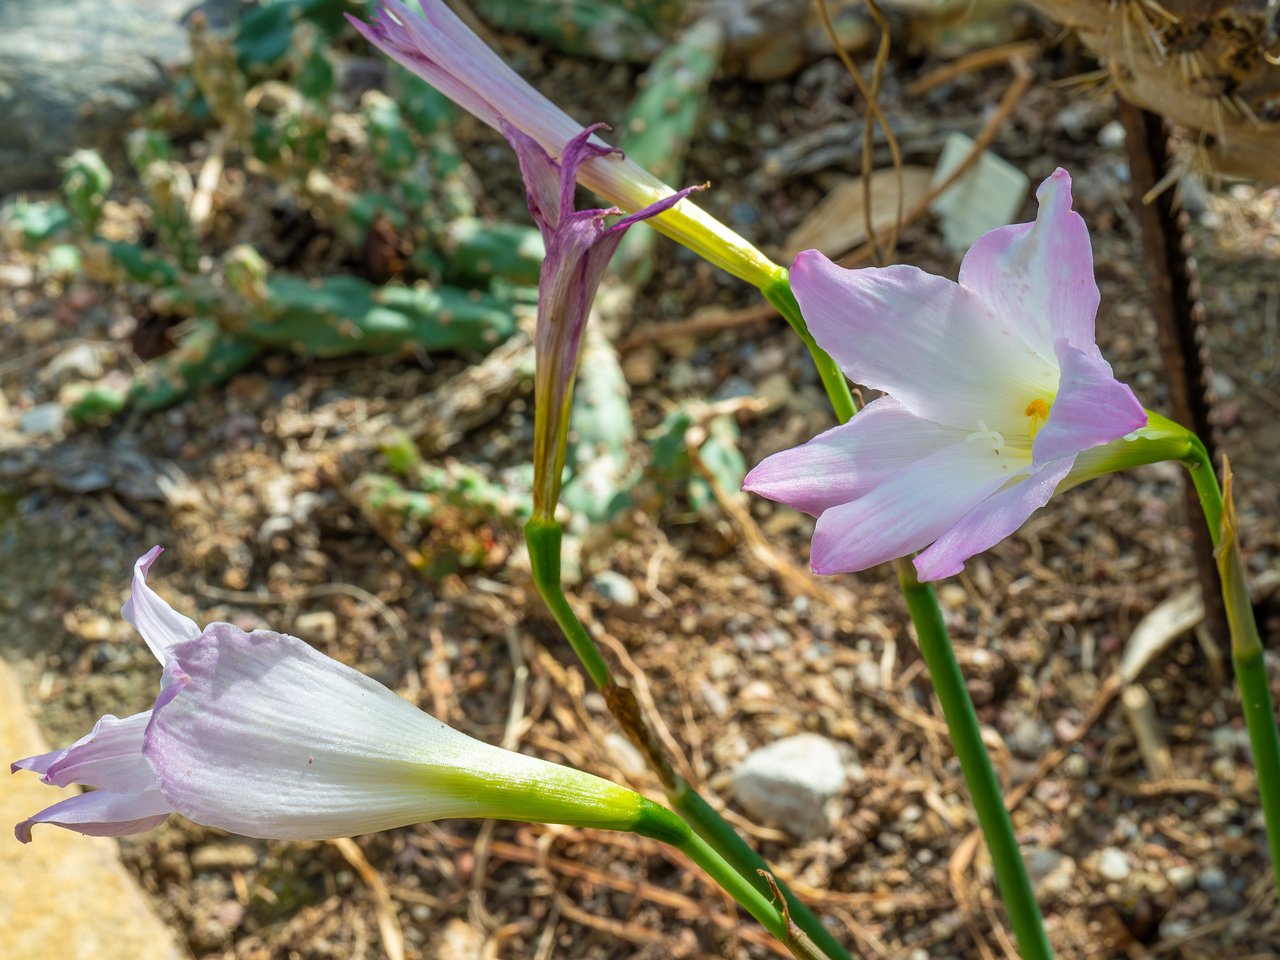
(266, 32)
(630, 32)
(96, 402)
(204, 355)
(402, 454)
(288, 131)
(662, 118)
(430, 113)
(661, 121)
(477, 251)
(128, 261)
(345, 315)
(63, 261)
(247, 274)
(600, 433)
(389, 139)
(86, 181)
(723, 460)
(316, 78)
(426, 108)
(457, 485)
(38, 222)
(145, 147)
(453, 520)
(719, 452)
(169, 190)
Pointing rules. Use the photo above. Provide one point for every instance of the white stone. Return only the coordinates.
(1112, 864)
(616, 588)
(791, 784)
(42, 418)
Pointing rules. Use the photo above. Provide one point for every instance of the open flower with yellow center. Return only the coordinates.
(994, 385)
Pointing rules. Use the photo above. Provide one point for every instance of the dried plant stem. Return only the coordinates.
(1023, 78)
(975, 762)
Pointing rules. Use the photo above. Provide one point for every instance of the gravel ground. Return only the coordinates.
(255, 488)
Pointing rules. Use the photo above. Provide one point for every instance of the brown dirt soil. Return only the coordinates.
(732, 651)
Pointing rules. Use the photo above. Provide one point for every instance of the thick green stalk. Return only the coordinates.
(975, 762)
(543, 538)
(720, 835)
(661, 824)
(1246, 650)
(1196, 460)
(779, 294)
(714, 833)
(1260, 718)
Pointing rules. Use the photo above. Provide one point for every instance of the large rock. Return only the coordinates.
(63, 895)
(72, 72)
(791, 783)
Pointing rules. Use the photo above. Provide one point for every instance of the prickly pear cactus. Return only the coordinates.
(86, 181)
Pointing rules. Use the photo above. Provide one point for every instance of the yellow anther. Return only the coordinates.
(1038, 411)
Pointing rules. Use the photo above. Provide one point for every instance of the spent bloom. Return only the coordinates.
(579, 246)
(261, 735)
(994, 386)
(440, 48)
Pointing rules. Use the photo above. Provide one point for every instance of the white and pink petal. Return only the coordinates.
(262, 735)
(1092, 407)
(109, 758)
(160, 625)
(848, 460)
(991, 520)
(102, 814)
(935, 347)
(1041, 272)
(909, 509)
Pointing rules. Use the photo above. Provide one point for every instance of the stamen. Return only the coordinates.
(994, 437)
(1038, 411)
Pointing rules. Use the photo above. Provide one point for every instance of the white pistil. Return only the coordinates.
(994, 437)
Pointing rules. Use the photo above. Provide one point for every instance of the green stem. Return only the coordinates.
(720, 835)
(1264, 740)
(543, 538)
(661, 824)
(1196, 460)
(1246, 643)
(966, 736)
(779, 294)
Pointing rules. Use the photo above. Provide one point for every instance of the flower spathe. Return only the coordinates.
(442, 50)
(261, 735)
(579, 246)
(994, 385)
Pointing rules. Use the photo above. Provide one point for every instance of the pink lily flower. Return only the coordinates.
(579, 247)
(261, 735)
(439, 48)
(994, 387)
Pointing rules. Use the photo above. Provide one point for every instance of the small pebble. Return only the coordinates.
(1224, 769)
(616, 588)
(1182, 876)
(1030, 738)
(1212, 878)
(1112, 864)
(43, 418)
(320, 627)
